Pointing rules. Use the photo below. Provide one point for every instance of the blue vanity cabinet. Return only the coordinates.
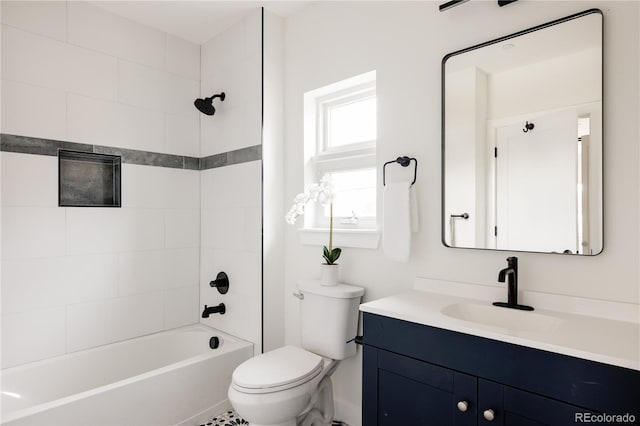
(412, 392)
(419, 375)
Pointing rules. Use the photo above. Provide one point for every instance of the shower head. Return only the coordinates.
(205, 105)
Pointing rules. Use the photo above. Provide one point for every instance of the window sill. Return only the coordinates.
(357, 238)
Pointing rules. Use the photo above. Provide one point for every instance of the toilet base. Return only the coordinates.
(288, 423)
(320, 409)
(296, 408)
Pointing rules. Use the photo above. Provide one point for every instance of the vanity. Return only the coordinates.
(432, 357)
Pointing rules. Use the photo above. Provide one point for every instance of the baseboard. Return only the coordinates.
(348, 412)
(207, 414)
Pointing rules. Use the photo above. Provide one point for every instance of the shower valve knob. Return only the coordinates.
(221, 283)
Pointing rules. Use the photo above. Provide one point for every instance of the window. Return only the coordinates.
(340, 141)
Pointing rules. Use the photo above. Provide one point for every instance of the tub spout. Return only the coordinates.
(208, 310)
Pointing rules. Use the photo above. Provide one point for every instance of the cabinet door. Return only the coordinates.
(515, 407)
(399, 390)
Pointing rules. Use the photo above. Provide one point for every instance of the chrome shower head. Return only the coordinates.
(205, 105)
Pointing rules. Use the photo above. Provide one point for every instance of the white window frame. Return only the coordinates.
(324, 159)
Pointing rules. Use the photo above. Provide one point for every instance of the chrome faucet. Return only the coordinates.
(510, 274)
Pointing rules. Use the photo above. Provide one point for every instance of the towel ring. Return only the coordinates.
(404, 162)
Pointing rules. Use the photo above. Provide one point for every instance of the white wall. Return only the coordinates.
(232, 195)
(568, 81)
(74, 278)
(405, 43)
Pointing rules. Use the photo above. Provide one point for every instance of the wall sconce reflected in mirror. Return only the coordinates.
(454, 3)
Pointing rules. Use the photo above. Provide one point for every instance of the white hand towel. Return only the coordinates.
(413, 205)
(396, 221)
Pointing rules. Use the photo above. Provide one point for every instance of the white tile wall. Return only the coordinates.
(226, 133)
(180, 93)
(114, 124)
(30, 284)
(182, 135)
(182, 189)
(183, 58)
(87, 277)
(43, 61)
(24, 114)
(238, 184)
(182, 267)
(47, 18)
(181, 306)
(231, 242)
(94, 230)
(182, 228)
(111, 320)
(141, 272)
(136, 191)
(223, 227)
(141, 86)
(231, 62)
(98, 267)
(231, 239)
(109, 81)
(243, 301)
(37, 176)
(31, 232)
(252, 229)
(143, 229)
(47, 326)
(97, 29)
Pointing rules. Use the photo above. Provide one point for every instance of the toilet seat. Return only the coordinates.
(277, 370)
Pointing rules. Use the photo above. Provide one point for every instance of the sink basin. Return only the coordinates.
(504, 318)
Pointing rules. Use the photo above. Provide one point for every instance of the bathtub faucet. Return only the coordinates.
(208, 310)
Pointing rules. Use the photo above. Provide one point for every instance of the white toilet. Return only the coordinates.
(292, 386)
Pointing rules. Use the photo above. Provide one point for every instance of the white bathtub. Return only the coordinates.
(168, 378)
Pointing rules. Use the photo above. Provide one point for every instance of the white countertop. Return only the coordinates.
(602, 331)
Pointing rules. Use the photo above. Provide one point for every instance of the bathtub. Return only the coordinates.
(169, 378)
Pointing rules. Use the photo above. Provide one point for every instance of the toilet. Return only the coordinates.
(291, 386)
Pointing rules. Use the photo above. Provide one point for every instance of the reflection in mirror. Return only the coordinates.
(522, 140)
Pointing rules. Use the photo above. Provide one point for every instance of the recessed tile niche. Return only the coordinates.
(86, 179)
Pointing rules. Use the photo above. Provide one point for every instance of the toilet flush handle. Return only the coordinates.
(299, 295)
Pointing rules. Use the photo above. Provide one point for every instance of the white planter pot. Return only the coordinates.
(329, 274)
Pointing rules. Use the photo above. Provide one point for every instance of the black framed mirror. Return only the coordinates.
(522, 140)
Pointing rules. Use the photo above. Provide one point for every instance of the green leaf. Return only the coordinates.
(331, 256)
(335, 253)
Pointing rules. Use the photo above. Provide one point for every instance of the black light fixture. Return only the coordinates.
(205, 105)
(450, 4)
(453, 3)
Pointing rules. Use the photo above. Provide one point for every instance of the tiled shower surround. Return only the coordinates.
(78, 277)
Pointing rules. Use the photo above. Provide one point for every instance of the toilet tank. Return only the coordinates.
(329, 318)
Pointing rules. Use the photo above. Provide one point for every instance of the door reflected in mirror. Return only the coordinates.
(522, 140)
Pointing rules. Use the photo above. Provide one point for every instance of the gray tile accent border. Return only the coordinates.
(242, 155)
(40, 146)
(143, 158)
(213, 161)
(29, 145)
(191, 163)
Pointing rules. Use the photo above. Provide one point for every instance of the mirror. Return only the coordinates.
(522, 140)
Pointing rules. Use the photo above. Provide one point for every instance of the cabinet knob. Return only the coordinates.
(489, 415)
(463, 406)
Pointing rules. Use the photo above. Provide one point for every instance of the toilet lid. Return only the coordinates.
(277, 368)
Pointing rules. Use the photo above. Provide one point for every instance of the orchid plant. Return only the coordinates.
(322, 193)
